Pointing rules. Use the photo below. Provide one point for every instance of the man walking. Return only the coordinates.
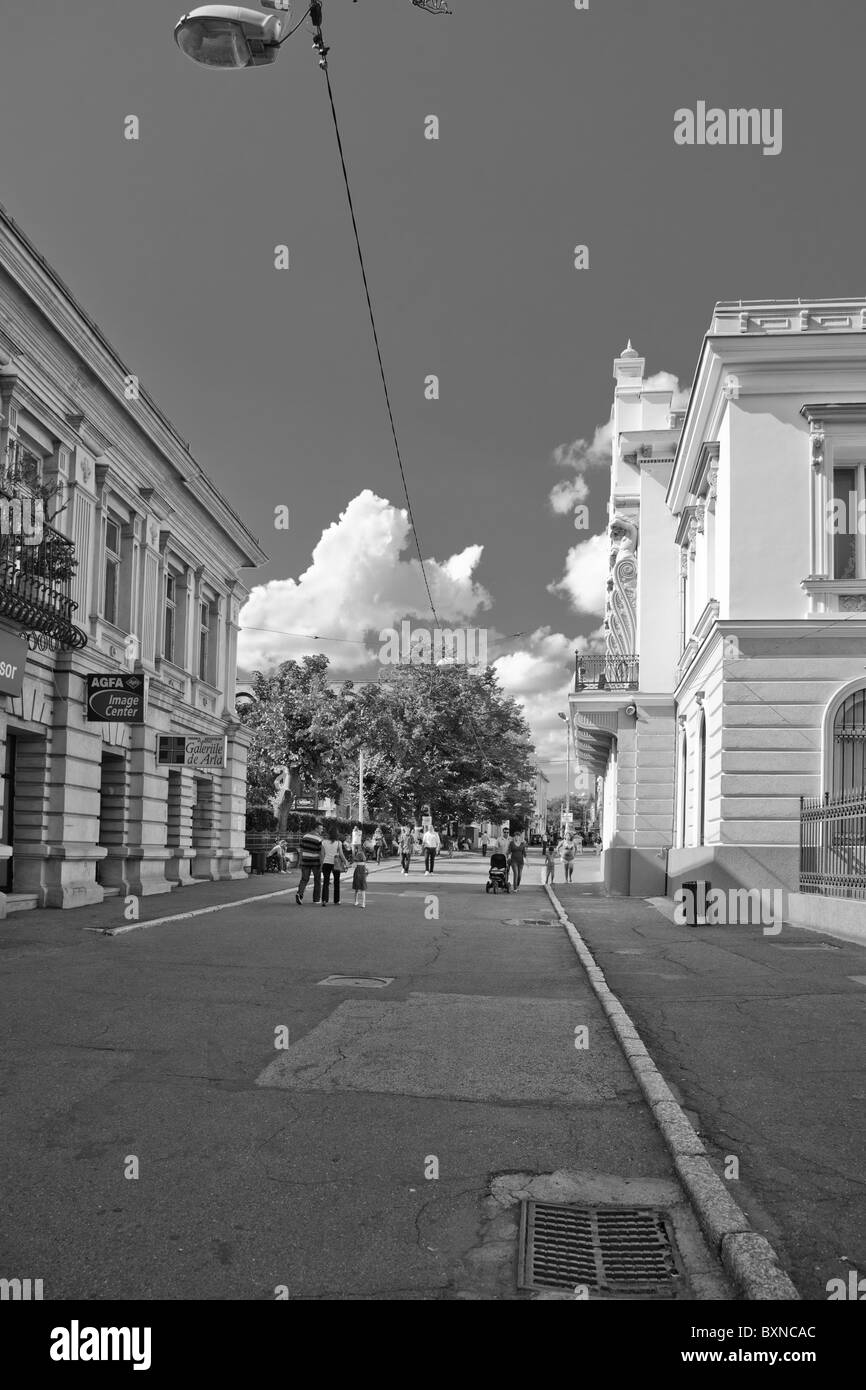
(405, 848)
(431, 844)
(311, 863)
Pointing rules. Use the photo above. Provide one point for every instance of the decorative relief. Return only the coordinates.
(852, 603)
(621, 619)
(817, 446)
(713, 479)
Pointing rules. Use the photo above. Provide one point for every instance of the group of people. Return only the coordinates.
(513, 847)
(326, 858)
(565, 850)
(429, 841)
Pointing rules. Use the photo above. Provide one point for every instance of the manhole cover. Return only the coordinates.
(822, 946)
(529, 921)
(350, 982)
(607, 1249)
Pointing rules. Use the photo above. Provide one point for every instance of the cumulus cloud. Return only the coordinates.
(666, 381)
(539, 674)
(585, 579)
(358, 582)
(578, 457)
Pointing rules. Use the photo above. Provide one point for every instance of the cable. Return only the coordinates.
(324, 64)
(295, 29)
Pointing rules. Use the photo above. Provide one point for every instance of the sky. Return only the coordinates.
(556, 129)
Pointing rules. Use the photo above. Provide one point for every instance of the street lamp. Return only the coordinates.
(229, 36)
(567, 766)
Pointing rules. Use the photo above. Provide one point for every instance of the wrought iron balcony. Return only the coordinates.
(601, 671)
(34, 587)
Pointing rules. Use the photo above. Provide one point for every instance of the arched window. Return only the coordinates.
(702, 776)
(684, 785)
(848, 766)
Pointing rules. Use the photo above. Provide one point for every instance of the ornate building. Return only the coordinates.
(731, 736)
(132, 781)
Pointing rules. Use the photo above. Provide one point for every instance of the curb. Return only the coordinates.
(748, 1258)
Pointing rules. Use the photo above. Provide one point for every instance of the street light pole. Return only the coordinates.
(567, 810)
(361, 787)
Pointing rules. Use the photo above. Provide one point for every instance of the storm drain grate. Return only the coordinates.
(529, 921)
(608, 1249)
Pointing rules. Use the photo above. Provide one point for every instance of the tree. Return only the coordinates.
(448, 737)
(294, 723)
(439, 736)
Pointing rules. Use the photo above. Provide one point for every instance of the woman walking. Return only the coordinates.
(567, 853)
(333, 863)
(406, 845)
(516, 858)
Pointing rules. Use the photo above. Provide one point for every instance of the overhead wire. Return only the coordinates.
(324, 63)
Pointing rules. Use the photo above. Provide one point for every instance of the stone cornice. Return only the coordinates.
(834, 413)
(102, 368)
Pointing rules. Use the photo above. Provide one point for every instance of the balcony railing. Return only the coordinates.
(833, 845)
(34, 587)
(604, 672)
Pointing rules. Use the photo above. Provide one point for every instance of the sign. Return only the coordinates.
(188, 750)
(115, 699)
(13, 660)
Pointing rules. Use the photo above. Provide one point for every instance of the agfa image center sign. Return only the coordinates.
(116, 699)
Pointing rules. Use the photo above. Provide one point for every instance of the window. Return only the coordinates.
(847, 508)
(849, 746)
(204, 640)
(170, 618)
(684, 788)
(112, 572)
(702, 790)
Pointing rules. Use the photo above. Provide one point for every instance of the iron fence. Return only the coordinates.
(606, 672)
(35, 585)
(833, 844)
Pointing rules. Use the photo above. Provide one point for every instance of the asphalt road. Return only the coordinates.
(160, 1141)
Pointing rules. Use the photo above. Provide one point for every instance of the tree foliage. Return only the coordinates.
(446, 737)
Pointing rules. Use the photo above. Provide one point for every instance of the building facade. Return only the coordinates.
(137, 574)
(539, 804)
(734, 681)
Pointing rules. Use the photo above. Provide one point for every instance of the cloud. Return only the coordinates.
(585, 579)
(539, 675)
(578, 457)
(666, 381)
(356, 585)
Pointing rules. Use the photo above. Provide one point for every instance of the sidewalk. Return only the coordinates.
(761, 1038)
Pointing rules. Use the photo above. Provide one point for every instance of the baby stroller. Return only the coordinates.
(497, 879)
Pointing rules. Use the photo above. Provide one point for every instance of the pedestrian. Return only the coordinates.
(567, 853)
(311, 862)
(549, 864)
(517, 856)
(431, 843)
(378, 839)
(333, 863)
(278, 852)
(359, 877)
(406, 844)
(484, 846)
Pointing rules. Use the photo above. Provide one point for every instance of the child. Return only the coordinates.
(359, 877)
(549, 864)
